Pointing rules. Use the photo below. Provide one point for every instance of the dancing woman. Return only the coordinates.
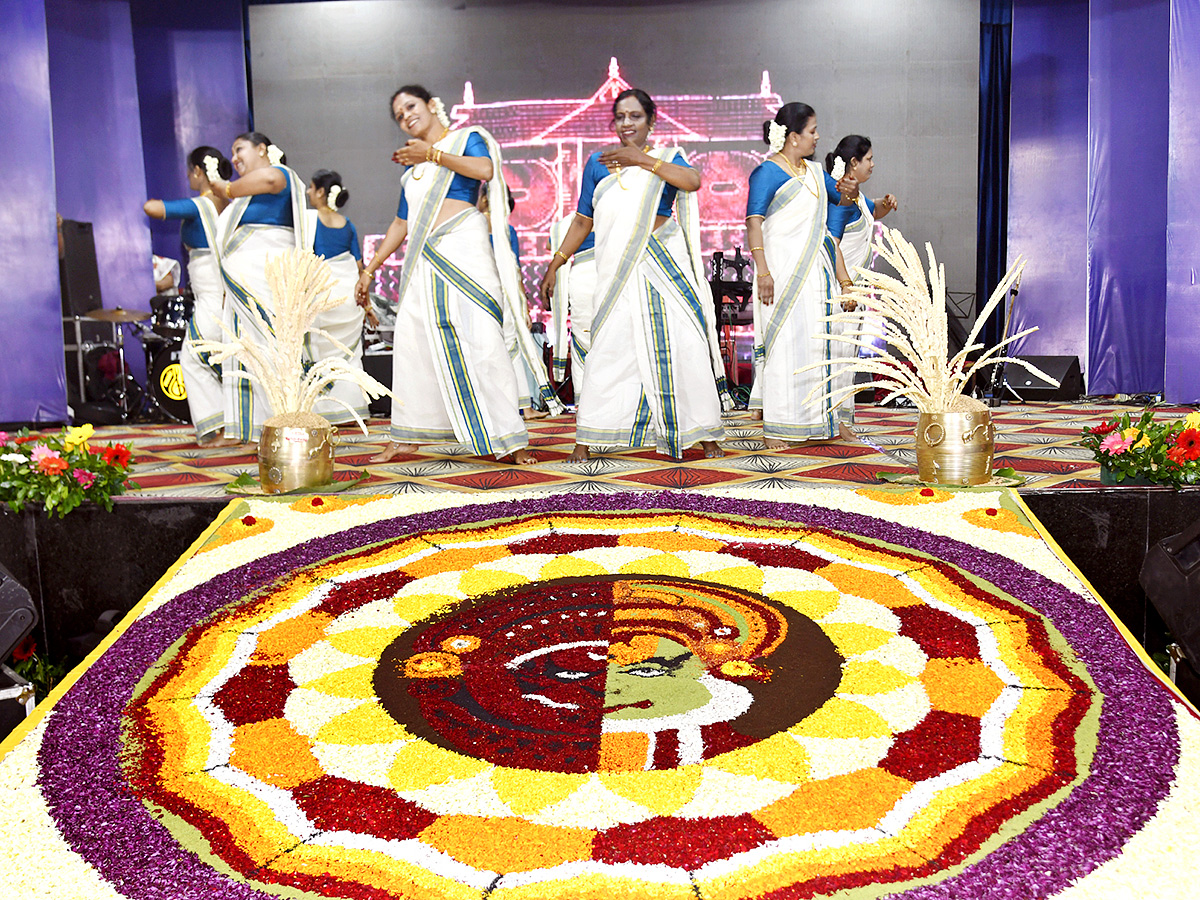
(452, 375)
(334, 237)
(786, 226)
(852, 226)
(199, 234)
(652, 373)
(265, 218)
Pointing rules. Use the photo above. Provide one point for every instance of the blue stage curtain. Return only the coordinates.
(995, 80)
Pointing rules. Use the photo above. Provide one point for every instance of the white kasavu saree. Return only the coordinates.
(654, 373)
(451, 368)
(789, 332)
(244, 255)
(202, 378)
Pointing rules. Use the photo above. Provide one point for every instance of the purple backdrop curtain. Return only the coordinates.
(100, 177)
(1183, 227)
(191, 90)
(1048, 153)
(991, 232)
(33, 376)
(1127, 196)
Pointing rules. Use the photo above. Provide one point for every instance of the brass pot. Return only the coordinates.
(291, 458)
(955, 447)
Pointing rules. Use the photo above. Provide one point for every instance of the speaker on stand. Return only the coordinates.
(18, 616)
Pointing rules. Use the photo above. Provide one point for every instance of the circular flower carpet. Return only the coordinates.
(643, 696)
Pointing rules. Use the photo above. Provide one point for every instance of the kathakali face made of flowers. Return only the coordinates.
(555, 700)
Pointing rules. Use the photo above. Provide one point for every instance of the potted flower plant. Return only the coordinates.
(60, 471)
(1146, 450)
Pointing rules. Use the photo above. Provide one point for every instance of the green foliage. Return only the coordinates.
(60, 471)
(1163, 451)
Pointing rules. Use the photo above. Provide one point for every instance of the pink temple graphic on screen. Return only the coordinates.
(546, 143)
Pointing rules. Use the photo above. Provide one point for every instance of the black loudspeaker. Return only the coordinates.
(80, 274)
(1063, 369)
(1171, 578)
(18, 615)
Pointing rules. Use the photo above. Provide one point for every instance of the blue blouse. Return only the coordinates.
(768, 178)
(841, 216)
(461, 187)
(331, 242)
(192, 230)
(271, 209)
(595, 172)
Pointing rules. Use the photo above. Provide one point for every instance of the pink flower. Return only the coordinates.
(41, 451)
(84, 477)
(1115, 444)
(3, 438)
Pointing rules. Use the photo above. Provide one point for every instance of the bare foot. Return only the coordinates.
(579, 454)
(520, 457)
(391, 451)
(846, 433)
(712, 450)
(775, 444)
(756, 415)
(528, 414)
(212, 443)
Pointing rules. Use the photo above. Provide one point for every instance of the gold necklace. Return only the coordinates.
(797, 174)
(618, 167)
(207, 193)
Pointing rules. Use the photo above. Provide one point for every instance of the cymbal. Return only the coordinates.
(118, 315)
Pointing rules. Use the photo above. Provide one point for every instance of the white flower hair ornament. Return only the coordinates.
(332, 195)
(212, 168)
(438, 108)
(839, 168)
(274, 155)
(776, 135)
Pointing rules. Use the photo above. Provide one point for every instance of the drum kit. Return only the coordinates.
(162, 342)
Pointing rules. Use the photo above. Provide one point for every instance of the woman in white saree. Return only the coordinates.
(794, 284)
(452, 377)
(265, 219)
(852, 227)
(199, 232)
(573, 306)
(334, 238)
(653, 372)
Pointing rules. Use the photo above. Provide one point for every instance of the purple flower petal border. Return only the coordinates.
(1133, 768)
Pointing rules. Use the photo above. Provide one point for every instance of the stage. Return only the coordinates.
(92, 561)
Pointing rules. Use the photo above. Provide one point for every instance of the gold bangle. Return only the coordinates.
(764, 275)
(438, 159)
(656, 165)
(846, 283)
(752, 249)
(561, 255)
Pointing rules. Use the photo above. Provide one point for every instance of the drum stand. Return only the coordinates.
(119, 318)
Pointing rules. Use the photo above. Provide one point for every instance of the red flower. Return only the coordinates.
(1177, 455)
(1104, 428)
(25, 649)
(1188, 442)
(116, 456)
(248, 520)
(26, 439)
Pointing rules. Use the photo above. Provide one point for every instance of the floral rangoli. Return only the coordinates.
(624, 696)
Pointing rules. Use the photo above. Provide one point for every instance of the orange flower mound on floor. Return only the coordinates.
(999, 520)
(235, 530)
(913, 497)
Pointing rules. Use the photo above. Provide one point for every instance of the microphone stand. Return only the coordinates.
(998, 384)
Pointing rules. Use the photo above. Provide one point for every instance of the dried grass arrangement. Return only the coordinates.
(301, 286)
(915, 332)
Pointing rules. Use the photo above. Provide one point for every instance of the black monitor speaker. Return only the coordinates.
(18, 615)
(80, 274)
(1063, 369)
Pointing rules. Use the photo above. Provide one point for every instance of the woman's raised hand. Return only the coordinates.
(412, 153)
(623, 158)
(848, 187)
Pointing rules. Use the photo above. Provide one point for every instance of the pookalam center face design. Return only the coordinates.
(555, 676)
